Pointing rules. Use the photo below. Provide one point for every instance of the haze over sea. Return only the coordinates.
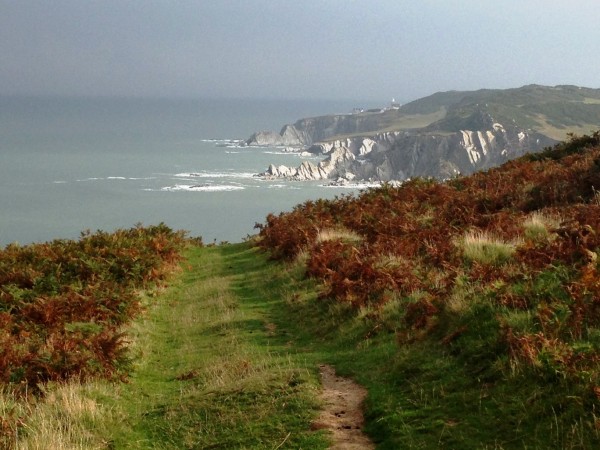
(73, 164)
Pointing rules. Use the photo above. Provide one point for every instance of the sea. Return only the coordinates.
(68, 165)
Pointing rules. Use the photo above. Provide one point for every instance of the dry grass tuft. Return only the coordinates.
(341, 234)
(67, 417)
(482, 247)
(538, 227)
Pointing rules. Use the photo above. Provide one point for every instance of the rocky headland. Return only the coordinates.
(439, 136)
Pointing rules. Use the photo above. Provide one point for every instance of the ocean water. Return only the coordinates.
(72, 164)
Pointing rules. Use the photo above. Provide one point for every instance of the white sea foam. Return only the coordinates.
(112, 178)
(272, 152)
(364, 185)
(232, 145)
(202, 188)
(214, 175)
(282, 147)
(304, 155)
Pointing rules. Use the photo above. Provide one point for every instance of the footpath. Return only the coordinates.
(217, 368)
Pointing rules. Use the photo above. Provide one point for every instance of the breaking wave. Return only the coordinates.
(113, 178)
(215, 175)
(350, 185)
(202, 188)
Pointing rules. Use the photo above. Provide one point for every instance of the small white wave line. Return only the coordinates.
(201, 188)
(214, 175)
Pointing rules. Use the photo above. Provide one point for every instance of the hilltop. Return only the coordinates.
(441, 135)
(550, 110)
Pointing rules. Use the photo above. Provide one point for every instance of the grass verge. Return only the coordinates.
(213, 370)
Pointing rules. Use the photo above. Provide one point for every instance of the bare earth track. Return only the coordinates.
(342, 415)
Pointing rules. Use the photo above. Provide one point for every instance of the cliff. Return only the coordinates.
(439, 136)
(402, 155)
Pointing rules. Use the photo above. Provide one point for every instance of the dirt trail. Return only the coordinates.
(342, 415)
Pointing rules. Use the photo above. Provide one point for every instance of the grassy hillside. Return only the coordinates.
(489, 285)
(64, 306)
(552, 111)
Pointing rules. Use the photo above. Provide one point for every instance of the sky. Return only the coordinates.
(283, 49)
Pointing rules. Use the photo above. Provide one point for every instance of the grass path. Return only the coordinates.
(214, 371)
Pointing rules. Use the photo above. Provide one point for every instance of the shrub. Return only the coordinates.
(62, 303)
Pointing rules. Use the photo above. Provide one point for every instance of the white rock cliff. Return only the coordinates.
(402, 155)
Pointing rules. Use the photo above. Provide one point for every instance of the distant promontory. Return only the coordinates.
(440, 136)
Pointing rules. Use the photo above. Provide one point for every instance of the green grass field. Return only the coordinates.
(214, 371)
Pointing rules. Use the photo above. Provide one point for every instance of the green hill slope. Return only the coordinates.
(551, 110)
(487, 285)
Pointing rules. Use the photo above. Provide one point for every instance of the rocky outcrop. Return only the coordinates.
(402, 155)
(306, 171)
(330, 168)
(271, 139)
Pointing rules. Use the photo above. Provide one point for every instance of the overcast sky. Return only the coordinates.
(331, 49)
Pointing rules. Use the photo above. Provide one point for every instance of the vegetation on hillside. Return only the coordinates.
(551, 111)
(63, 305)
(209, 369)
(498, 271)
